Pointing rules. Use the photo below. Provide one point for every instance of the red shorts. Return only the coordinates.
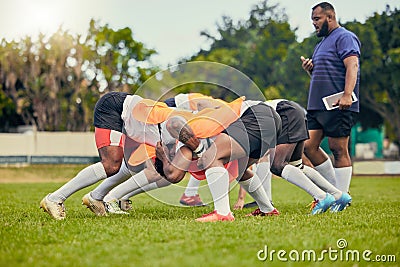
(107, 137)
(232, 168)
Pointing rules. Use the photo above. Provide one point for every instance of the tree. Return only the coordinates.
(54, 82)
(380, 67)
(252, 46)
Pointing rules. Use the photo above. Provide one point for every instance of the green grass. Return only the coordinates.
(156, 234)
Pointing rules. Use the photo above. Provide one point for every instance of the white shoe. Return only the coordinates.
(94, 205)
(125, 204)
(113, 207)
(56, 210)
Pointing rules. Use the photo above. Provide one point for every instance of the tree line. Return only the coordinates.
(54, 82)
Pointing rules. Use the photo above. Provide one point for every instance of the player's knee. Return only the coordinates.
(277, 169)
(111, 167)
(310, 149)
(174, 177)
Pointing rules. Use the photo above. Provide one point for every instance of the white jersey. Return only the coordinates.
(141, 132)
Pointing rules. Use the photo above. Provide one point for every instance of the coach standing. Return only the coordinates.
(334, 68)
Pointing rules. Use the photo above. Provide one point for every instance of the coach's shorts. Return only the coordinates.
(334, 123)
(256, 130)
(108, 110)
(294, 122)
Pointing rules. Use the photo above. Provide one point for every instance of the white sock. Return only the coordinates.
(254, 187)
(86, 177)
(343, 178)
(102, 189)
(321, 182)
(192, 187)
(218, 182)
(137, 181)
(138, 191)
(327, 171)
(264, 173)
(154, 185)
(295, 176)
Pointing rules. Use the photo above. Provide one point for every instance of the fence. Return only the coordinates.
(48, 148)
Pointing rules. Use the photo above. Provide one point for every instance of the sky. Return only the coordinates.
(171, 27)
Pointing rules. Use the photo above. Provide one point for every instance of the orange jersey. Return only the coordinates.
(206, 123)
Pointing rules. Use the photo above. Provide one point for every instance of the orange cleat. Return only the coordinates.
(215, 217)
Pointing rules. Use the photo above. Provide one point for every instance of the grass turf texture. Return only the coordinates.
(156, 234)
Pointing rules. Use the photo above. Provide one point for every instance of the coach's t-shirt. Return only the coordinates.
(329, 72)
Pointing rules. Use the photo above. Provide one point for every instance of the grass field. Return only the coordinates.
(156, 234)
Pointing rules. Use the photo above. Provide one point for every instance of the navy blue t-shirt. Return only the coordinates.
(329, 72)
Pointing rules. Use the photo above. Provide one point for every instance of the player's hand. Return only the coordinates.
(160, 153)
(239, 204)
(306, 64)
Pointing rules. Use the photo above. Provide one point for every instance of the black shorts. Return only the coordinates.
(108, 110)
(294, 122)
(170, 102)
(256, 130)
(334, 123)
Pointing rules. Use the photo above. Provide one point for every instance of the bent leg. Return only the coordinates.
(312, 148)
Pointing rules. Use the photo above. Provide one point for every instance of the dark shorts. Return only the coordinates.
(170, 102)
(294, 122)
(108, 110)
(334, 123)
(256, 130)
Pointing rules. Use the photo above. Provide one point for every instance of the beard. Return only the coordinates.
(324, 29)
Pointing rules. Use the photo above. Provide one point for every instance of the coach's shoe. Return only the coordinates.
(94, 205)
(215, 217)
(125, 204)
(258, 212)
(192, 201)
(320, 206)
(113, 207)
(341, 203)
(55, 209)
(349, 204)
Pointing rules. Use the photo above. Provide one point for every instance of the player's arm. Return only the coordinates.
(240, 201)
(179, 129)
(174, 170)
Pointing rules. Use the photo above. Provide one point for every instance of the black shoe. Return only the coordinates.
(254, 204)
(250, 205)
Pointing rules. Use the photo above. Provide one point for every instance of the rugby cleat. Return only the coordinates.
(192, 201)
(55, 209)
(258, 212)
(96, 206)
(113, 207)
(341, 203)
(125, 204)
(320, 206)
(215, 217)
